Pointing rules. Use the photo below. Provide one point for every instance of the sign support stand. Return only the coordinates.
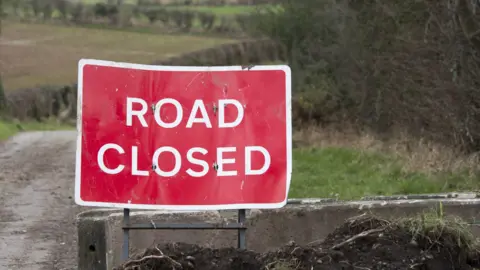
(241, 237)
(126, 234)
(127, 226)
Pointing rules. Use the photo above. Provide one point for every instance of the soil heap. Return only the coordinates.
(362, 243)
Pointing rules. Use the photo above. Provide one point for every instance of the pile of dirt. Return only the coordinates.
(364, 243)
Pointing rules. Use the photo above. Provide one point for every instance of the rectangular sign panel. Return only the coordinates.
(183, 138)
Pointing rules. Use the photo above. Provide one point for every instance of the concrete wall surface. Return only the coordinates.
(100, 231)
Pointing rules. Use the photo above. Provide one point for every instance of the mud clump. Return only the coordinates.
(363, 243)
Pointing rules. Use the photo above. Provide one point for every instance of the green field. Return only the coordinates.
(39, 54)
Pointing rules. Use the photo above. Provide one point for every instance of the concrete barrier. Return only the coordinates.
(303, 221)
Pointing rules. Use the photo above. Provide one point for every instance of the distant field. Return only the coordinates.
(36, 54)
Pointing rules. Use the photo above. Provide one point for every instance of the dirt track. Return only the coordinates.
(37, 212)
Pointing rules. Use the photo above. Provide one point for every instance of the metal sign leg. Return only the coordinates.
(241, 232)
(240, 227)
(126, 236)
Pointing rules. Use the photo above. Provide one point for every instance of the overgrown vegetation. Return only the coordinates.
(408, 64)
(434, 227)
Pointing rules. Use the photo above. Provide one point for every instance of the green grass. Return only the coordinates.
(10, 128)
(351, 174)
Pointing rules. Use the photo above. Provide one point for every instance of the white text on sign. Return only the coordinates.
(198, 107)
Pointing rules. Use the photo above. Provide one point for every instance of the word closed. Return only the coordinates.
(188, 138)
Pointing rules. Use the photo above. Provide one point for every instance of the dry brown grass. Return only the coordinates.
(36, 54)
(417, 155)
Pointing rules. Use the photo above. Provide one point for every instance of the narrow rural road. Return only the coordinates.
(37, 209)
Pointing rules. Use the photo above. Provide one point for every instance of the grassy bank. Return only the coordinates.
(348, 164)
(10, 128)
(350, 174)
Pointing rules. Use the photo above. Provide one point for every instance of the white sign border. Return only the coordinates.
(288, 103)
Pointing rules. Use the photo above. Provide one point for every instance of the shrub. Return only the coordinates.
(62, 7)
(47, 10)
(143, 2)
(262, 2)
(151, 14)
(24, 7)
(105, 10)
(243, 21)
(183, 19)
(188, 20)
(3, 98)
(163, 16)
(207, 20)
(216, 2)
(36, 7)
(177, 18)
(125, 14)
(100, 10)
(403, 63)
(225, 26)
(78, 12)
(16, 6)
(88, 14)
(109, 11)
(154, 13)
(3, 14)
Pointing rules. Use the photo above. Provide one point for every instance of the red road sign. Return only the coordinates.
(183, 138)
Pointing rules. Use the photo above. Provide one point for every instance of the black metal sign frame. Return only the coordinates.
(127, 226)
